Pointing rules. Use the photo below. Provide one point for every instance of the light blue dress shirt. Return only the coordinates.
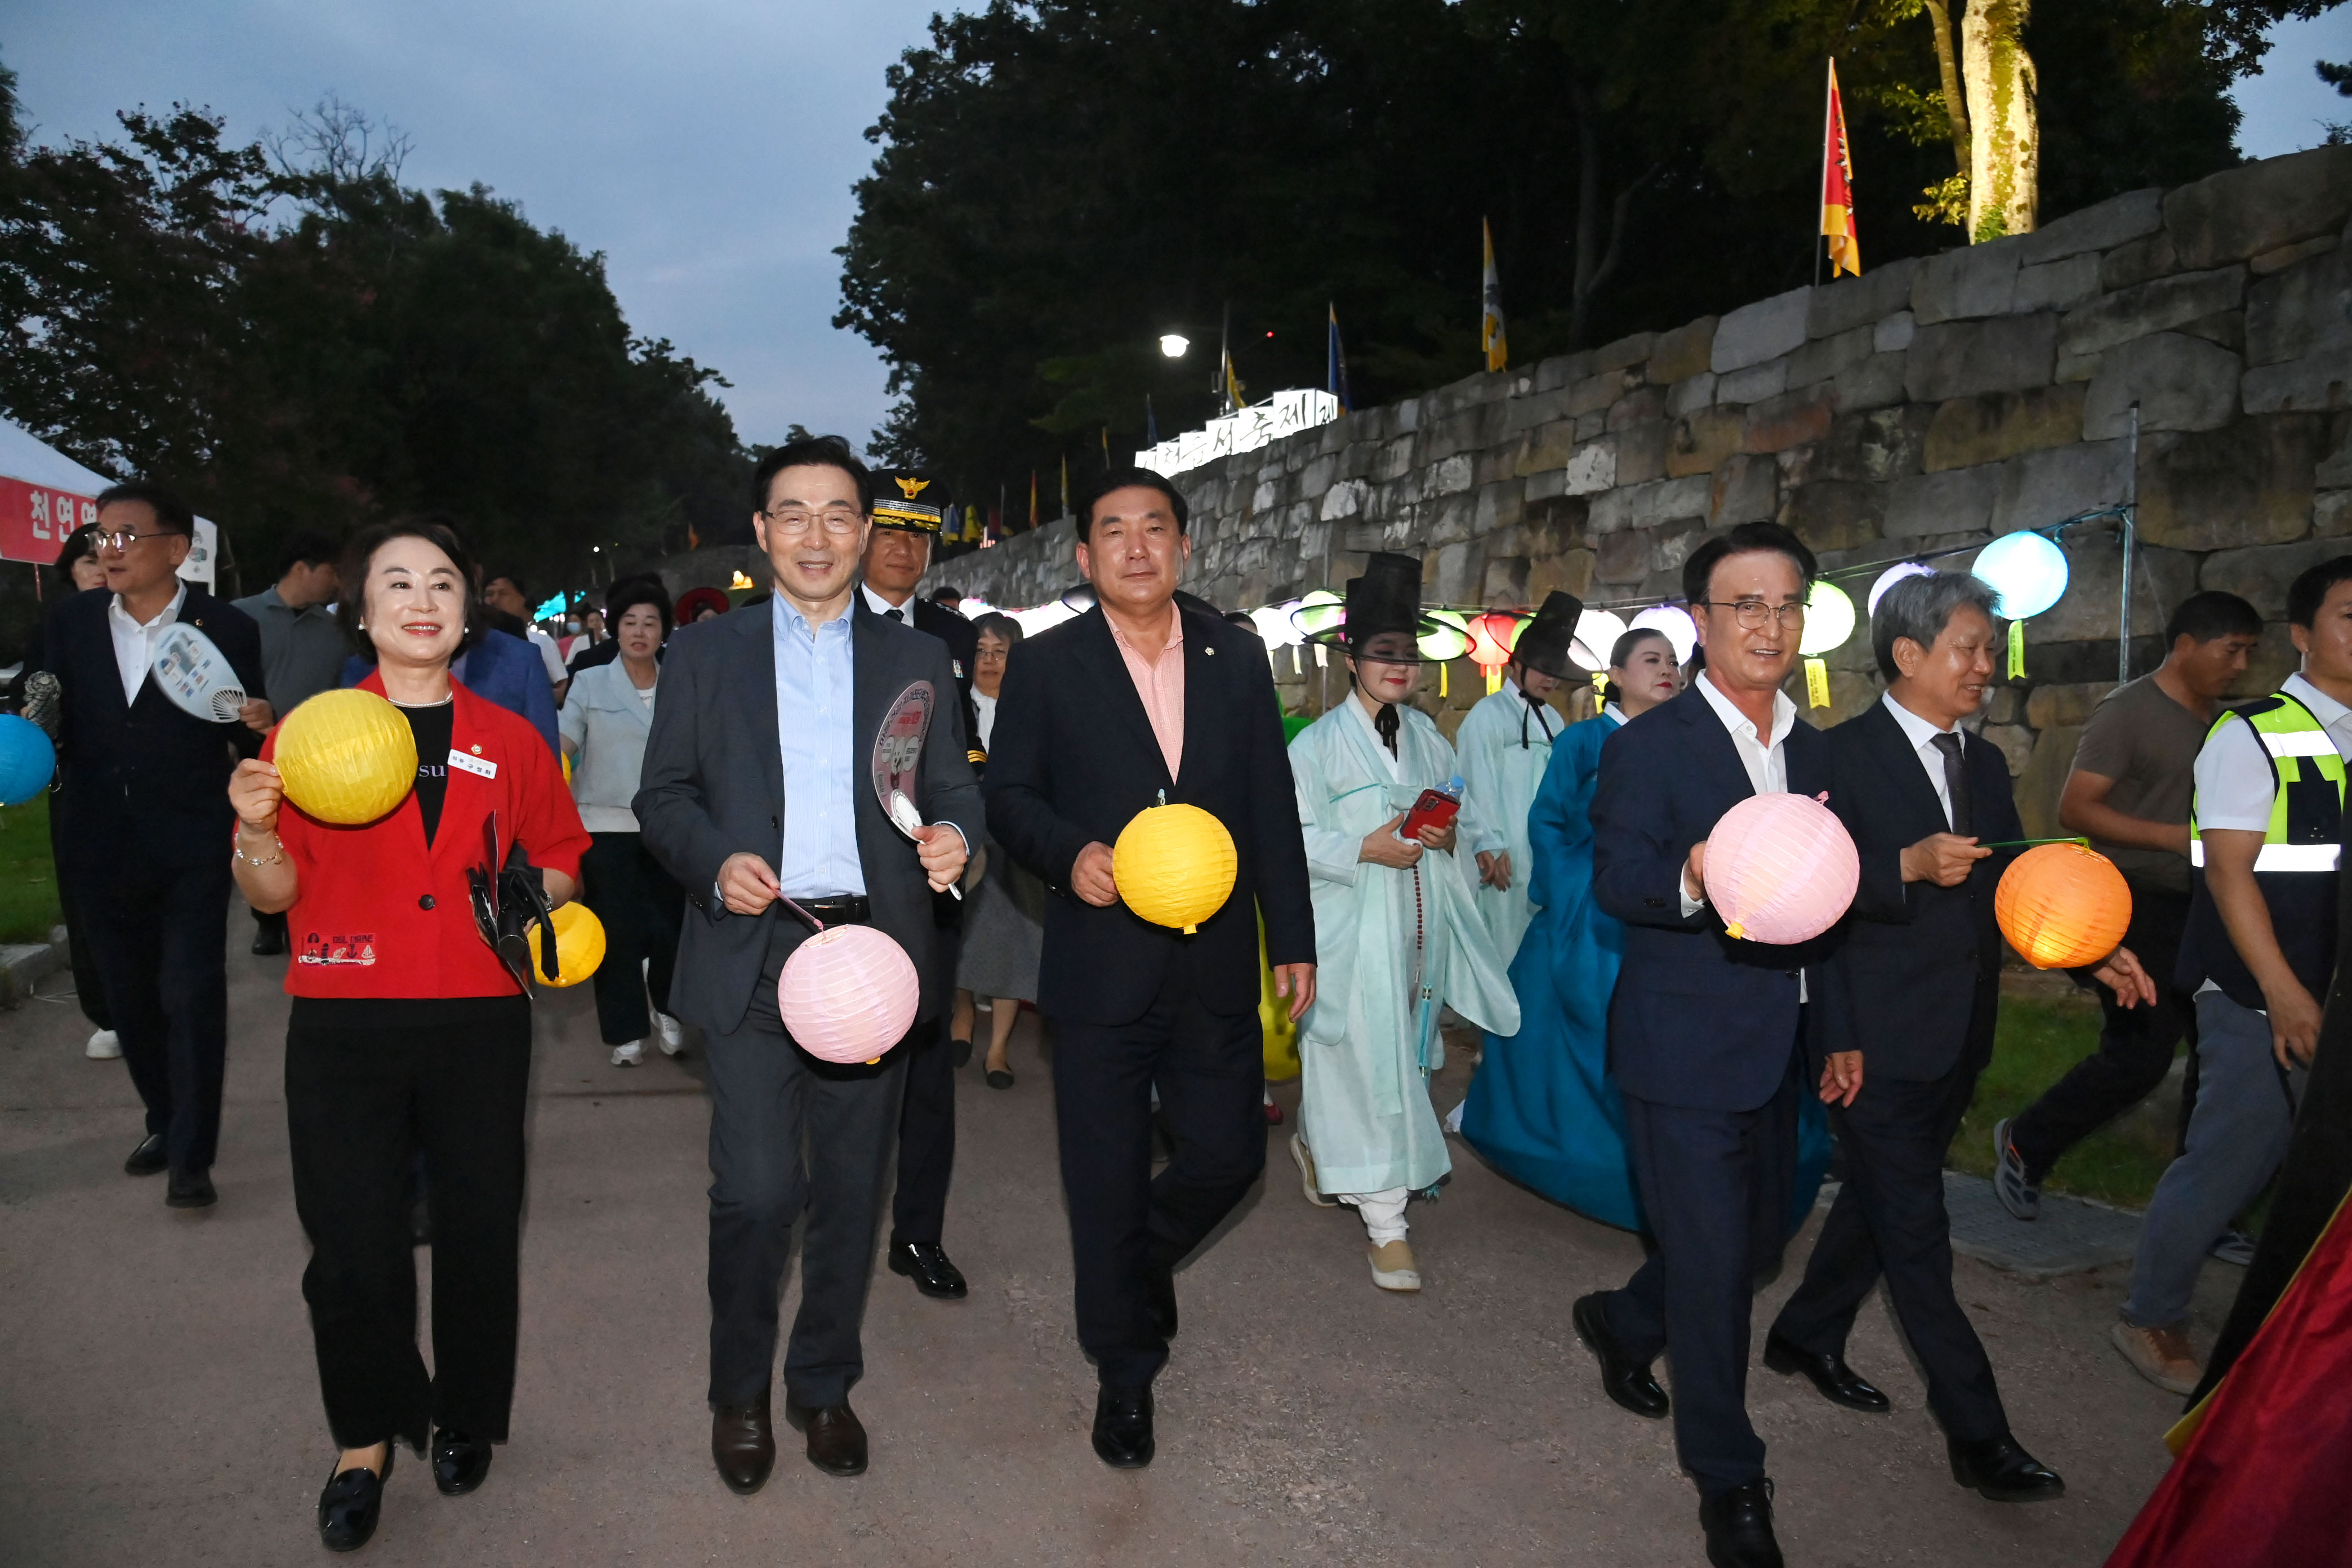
(814, 684)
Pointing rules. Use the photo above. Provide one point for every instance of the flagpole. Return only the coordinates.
(1821, 184)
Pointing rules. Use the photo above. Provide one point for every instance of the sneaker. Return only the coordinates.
(1392, 1266)
(1298, 1152)
(2160, 1355)
(630, 1055)
(2235, 1246)
(2021, 1198)
(104, 1046)
(670, 1032)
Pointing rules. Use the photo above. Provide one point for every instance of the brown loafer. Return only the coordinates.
(743, 1444)
(836, 1442)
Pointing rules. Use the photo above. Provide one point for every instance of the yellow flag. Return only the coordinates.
(1492, 341)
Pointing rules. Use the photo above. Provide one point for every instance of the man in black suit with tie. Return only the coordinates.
(143, 822)
(1919, 964)
(1139, 701)
(755, 791)
(1709, 1034)
(907, 507)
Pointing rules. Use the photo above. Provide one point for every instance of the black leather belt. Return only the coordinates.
(854, 907)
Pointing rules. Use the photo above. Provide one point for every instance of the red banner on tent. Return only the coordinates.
(35, 519)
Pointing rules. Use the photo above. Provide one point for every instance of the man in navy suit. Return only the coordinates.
(143, 822)
(1920, 967)
(1706, 1033)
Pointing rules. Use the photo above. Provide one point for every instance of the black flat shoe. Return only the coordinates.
(269, 941)
(1628, 1381)
(1839, 1383)
(1738, 1525)
(459, 1462)
(1998, 1469)
(1123, 1427)
(925, 1263)
(148, 1159)
(189, 1190)
(962, 1052)
(351, 1503)
(998, 1078)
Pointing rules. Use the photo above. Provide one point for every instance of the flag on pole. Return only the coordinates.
(1150, 431)
(1065, 488)
(1837, 188)
(1106, 445)
(1335, 362)
(1033, 498)
(1234, 401)
(1492, 341)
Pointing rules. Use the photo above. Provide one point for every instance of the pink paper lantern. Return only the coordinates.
(848, 994)
(1781, 868)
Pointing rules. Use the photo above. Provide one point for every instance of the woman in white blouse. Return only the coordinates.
(606, 716)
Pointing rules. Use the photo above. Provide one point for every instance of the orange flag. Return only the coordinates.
(1837, 189)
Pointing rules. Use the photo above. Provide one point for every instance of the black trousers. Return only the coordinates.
(1715, 1186)
(1124, 1223)
(157, 934)
(1889, 1217)
(359, 1103)
(2135, 1044)
(919, 1209)
(790, 1134)
(89, 986)
(640, 905)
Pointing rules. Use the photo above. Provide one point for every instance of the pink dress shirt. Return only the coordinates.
(1159, 681)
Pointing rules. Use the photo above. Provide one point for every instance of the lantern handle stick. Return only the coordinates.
(2030, 842)
(814, 924)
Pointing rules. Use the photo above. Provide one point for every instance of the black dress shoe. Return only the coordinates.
(925, 1263)
(269, 941)
(1996, 1467)
(148, 1159)
(1738, 1525)
(1622, 1379)
(743, 1444)
(1160, 1295)
(459, 1462)
(1123, 1427)
(351, 1503)
(1839, 1383)
(836, 1441)
(191, 1190)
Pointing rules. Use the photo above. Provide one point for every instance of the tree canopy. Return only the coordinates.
(292, 339)
(1059, 182)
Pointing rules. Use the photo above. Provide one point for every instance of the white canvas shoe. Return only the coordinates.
(670, 1032)
(630, 1055)
(1392, 1266)
(1306, 1158)
(104, 1046)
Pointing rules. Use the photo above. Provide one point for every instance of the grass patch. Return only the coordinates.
(2037, 1041)
(28, 873)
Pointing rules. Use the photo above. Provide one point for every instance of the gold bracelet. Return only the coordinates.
(237, 852)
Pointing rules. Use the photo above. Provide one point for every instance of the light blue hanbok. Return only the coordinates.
(1393, 947)
(1505, 744)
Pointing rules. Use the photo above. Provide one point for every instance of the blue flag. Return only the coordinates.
(1335, 369)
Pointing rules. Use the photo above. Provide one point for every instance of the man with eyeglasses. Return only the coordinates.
(145, 823)
(1708, 1036)
(755, 797)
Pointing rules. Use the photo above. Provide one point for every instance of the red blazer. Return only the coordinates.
(376, 913)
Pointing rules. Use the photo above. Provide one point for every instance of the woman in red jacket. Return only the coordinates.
(407, 1032)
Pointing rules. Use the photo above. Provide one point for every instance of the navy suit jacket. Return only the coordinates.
(1699, 1019)
(1920, 964)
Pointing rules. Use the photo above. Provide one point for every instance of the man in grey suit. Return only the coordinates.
(756, 789)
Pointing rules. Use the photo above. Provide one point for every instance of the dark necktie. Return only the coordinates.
(1955, 782)
(895, 614)
(1386, 721)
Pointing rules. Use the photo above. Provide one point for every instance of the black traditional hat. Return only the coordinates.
(904, 498)
(1384, 601)
(1543, 642)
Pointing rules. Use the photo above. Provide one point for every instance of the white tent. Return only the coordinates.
(45, 495)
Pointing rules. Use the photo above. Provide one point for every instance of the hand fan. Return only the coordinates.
(195, 675)
(899, 758)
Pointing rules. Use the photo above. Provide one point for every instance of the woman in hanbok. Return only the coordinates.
(1397, 937)
(1505, 744)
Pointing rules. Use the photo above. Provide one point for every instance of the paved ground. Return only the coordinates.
(158, 1403)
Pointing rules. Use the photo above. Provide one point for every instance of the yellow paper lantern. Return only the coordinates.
(2062, 906)
(1174, 866)
(579, 946)
(346, 757)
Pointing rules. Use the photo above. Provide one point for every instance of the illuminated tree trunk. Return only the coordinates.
(1948, 66)
(2005, 138)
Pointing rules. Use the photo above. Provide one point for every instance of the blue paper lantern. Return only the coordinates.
(27, 760)
(2026, 570)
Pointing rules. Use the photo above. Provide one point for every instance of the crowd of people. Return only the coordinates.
(696, 773)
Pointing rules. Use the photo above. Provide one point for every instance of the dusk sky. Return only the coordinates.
(707, 147)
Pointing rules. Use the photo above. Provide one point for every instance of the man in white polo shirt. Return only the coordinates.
(2258, 953)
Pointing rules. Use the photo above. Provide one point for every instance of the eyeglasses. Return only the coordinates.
(122, 538)
(1754, 614)
(839, 522)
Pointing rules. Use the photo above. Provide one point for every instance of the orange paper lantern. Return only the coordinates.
(2062, 906)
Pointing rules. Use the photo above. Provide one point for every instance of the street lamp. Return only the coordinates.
(1173, 344)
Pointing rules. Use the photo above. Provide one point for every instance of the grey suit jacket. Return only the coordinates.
(714, 786)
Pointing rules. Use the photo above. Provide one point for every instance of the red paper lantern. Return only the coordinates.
(2062, 906)
(1492, 638)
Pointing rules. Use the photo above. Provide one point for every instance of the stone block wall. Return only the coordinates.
(1927, 405)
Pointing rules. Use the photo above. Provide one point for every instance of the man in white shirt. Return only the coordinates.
(2260, 953)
